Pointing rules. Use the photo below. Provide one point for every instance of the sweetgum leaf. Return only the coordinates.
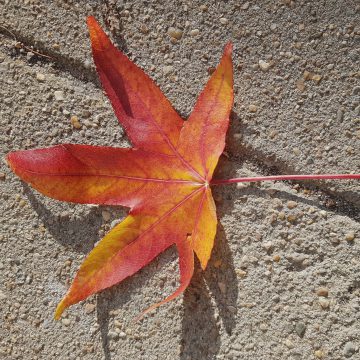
(164, 180)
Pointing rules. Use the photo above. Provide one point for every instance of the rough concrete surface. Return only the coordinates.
(283, 281)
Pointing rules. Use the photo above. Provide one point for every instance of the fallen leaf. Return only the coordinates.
(164, 179)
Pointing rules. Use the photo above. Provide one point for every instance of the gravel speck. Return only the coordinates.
(324, 303)
(89, 308)
(224, 21)
(350, 236)
(319, 354)
(264, 66)
(252, 108)
(291, 204)
(59, 95)
(65, 321)
(194, 32)
(322, 291)
(106, 215)
(175, 33)
(122, 335)
(75, 122)
(168, 69)
(300, 329)
(40, 77)
(349, 349)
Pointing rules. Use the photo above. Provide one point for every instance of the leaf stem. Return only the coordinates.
(285, 177)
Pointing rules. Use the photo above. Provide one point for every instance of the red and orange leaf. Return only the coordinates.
(148, 117)
(164, 180)
(202, 138)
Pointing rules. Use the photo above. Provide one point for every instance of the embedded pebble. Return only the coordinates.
(349, 349)
(106, 215)
(264, 66)
(319, 354)
(89, 308)
(252, 108)
(175, 33)
(40, 77)
(59, 95)
(2, 295)
(224, 21)
(324, 303)
(167, 69)
(122, 335)
(300, 329)
(75, 122)
(289, 344)
(66, 321)
(113, 335)
(322, 291)
(194, 32)
(291, 204)
(2, 176)
(350, 236)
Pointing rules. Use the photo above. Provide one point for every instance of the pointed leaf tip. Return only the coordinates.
(99, 40)
(60, 309)
(228, 48)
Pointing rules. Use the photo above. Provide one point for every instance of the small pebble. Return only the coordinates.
(75, 122)
(291, 218)
(245, 6)
(106, 215)
(59, 95)
(66, 321)
(40, 77)
(289, 344)
(300, 85)
(89, 308)
(113, 335)
(291, 204)
(167, 69)
(319, 354)
(322, 291)
(276, 258)
(264, 66)
(350, 236)
(122, 335)
(300, 329)
(252, 108)
(324, 303)
(2, 296)
(349, 349)
(307, 75)
(194, 32)
(222, 287)
(224, 21)
(240, 272)
(316, 78)
(175, 33)
(263, 327)
(2, 176)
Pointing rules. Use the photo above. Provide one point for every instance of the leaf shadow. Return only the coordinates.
(78, 233)
(118, 296)
(202, 318)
